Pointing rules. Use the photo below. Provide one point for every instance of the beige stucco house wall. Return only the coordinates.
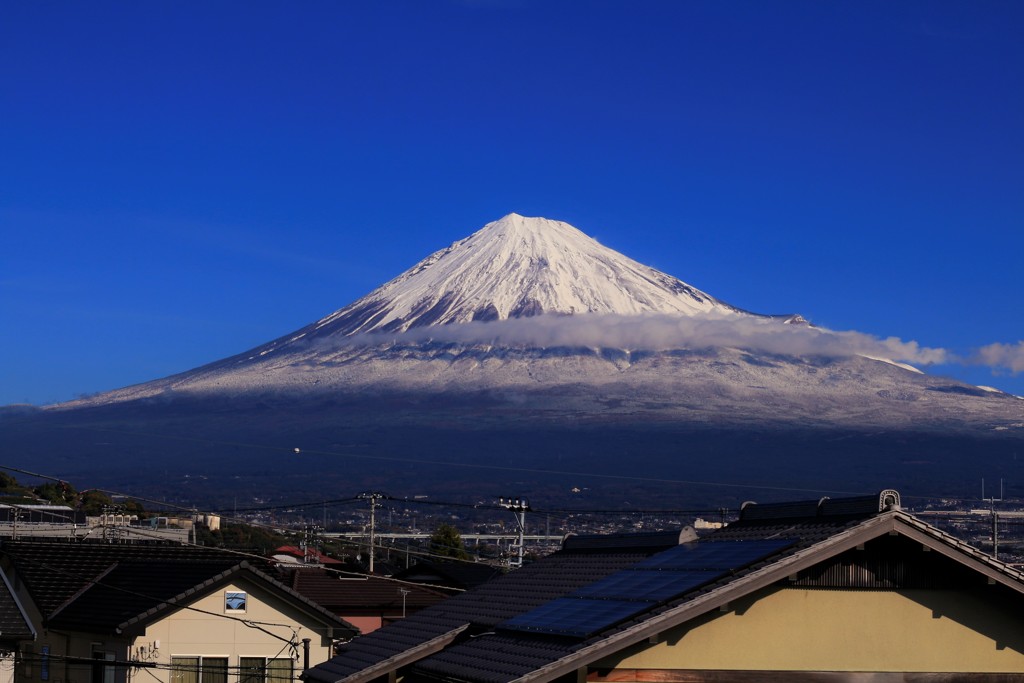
(268, 627)
(793, 629)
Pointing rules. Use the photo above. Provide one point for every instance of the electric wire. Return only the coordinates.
(443, 463)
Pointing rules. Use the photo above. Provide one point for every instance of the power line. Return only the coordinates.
(442, 463)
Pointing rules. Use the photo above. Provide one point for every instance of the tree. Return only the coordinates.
(447, 541)
(94, 501)
(59, 494)
(7, 482)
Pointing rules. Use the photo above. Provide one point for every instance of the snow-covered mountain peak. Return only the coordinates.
(516, 267)
(540, 232)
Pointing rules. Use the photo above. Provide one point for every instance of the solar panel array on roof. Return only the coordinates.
(718, 555)
(660, 578)
(575, 616)
(645, 585)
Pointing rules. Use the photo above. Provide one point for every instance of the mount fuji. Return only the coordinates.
(528, 344)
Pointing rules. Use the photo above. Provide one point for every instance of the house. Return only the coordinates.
(366, 602)
(296, 555)
(103, 613)
(15, 628)
(456, 576)
(852, 589)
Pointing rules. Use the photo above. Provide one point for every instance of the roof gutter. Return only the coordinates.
(395, 662)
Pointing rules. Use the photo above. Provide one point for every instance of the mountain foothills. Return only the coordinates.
(529, 355)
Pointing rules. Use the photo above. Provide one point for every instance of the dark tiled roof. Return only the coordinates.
(342, 628)
(460, 575)
(480, 610)
(505, 656)
(103, 587)
(56, 570)
(646, 542)
(13, 625)
(493, 655)
(348, 593)
(131, 587)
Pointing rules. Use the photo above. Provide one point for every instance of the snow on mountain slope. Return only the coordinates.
(518, 267)
(491, 313)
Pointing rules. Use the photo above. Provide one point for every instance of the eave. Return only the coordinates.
(404, 658)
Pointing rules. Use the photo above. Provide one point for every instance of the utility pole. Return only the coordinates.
(519, 507)
(311, 544)
(995, 516)
(373, 498)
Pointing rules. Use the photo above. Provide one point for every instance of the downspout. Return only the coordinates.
(305, 655)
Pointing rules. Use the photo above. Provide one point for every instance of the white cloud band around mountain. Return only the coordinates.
(655, 332)
(661, 332)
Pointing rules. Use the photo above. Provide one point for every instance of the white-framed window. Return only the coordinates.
(235, 601)
(199, 669)
(265, 669)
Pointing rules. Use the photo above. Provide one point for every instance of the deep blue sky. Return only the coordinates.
(182, 181)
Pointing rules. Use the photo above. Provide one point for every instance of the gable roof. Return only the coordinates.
(110, 588)
(54, 571)
(373, 594)
(479, 611)
(14, 623)
(797, 540)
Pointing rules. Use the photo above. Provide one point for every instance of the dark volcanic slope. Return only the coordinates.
(197, 450)
(529, 359)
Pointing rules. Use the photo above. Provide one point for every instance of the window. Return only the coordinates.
(279, 670)
(264, 670)
(184, 669)
(213, 670)
(199, 669)
(234, 601)
(102, 673)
